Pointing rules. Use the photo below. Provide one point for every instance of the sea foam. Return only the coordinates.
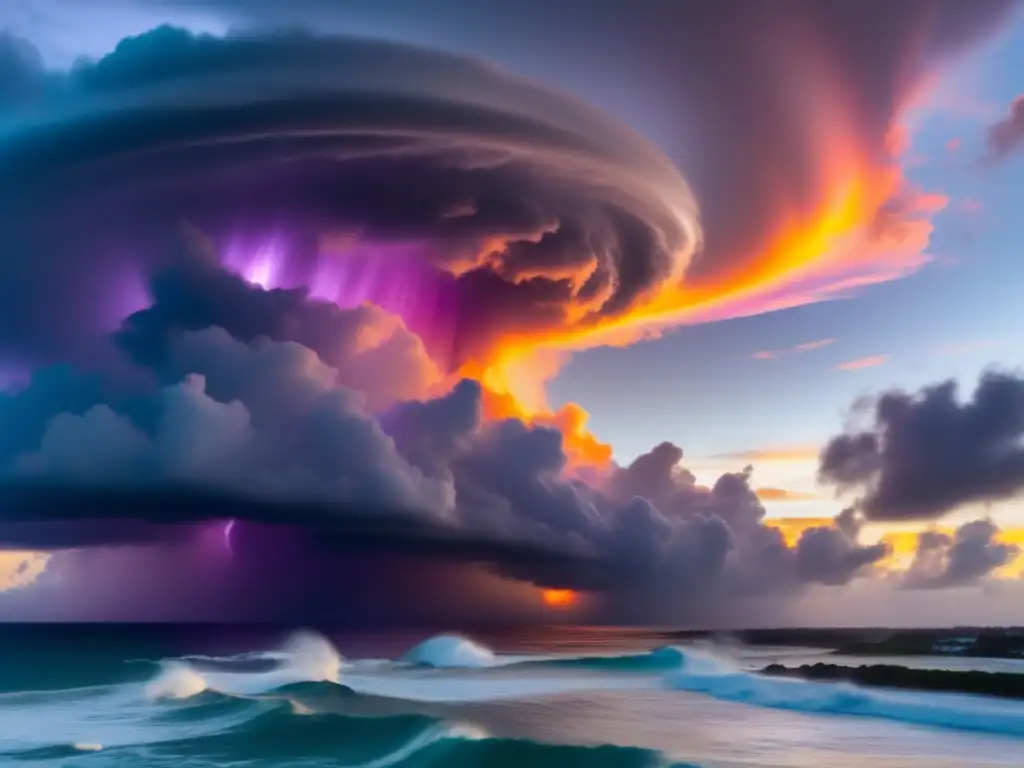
(304, 657)
(177, 680)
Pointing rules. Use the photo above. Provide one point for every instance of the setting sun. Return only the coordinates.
(559, 598)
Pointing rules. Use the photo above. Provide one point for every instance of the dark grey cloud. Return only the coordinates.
(1007, 135)
(371, 350)
(264, 431)
(525, 208)
(971, 554)
(515, 205)
(927, 453)
(826, 555)
(694, 76)
(474, 204)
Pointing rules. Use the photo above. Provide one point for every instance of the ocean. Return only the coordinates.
(122, 695)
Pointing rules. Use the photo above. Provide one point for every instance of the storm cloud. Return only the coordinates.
(533, 209)
(970, 555)
(510, 212)
(264, 432)
(383, 226)
(924, 454)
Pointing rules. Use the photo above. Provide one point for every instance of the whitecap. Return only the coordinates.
(450, 651)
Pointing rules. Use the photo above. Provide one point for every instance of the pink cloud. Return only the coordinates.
(807, 346)
(862, 362)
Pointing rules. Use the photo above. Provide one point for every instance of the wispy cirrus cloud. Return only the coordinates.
(807, 346)
(967, 347)
(872, 361)
(777, 453)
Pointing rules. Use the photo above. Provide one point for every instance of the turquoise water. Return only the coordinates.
(598, 699)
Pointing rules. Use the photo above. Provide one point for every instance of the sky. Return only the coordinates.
(696, 313)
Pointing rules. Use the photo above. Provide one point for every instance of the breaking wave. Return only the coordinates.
(305, 657)
(450, 652)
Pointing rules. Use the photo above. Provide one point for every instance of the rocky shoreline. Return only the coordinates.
(1002, 684)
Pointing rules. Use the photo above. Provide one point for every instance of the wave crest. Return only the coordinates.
(305, 657)
(177, 680)
(450, 652)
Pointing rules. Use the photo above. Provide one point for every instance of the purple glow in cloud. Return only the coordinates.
(260, 264)
(395, 275)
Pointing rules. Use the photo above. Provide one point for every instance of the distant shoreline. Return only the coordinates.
(1001, 684)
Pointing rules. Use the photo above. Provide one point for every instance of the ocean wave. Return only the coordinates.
(304, 657)
(89, 673)
(450, 652)
(56, 752)
(278, 734)
(660, 659)
(703, 672)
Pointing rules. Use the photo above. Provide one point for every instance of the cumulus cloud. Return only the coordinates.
(385, 219)
(827, 555)
(971, 554)
(927, 453)
(265, 431)
(363, 348)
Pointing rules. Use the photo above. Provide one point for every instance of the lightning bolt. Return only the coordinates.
(228, 528)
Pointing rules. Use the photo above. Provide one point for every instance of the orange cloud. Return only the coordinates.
(19, 569)
(864, 225)
(852, 221)
(862, 362)
(808, 346)
(580, 446)
(781, 494)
